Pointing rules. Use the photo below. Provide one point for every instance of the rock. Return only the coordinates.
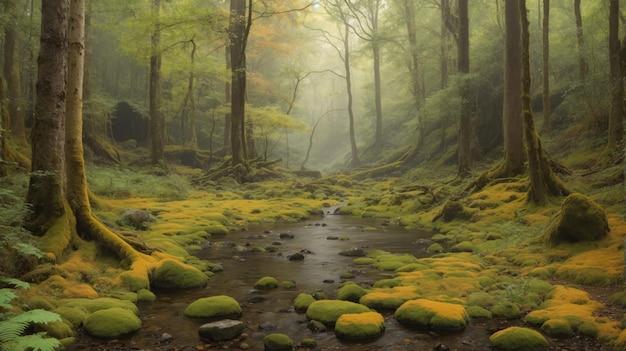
(353, 252)
(506, 310)
(518, 339)
(580, 219)
(351, 292)
(286, 236)
(302, 302)
(277, 342)
(145, 295)
(138, 219)
(266, 283)
(430, 314)
(332, 237)
(328, 311)
(316, 326)
(266, 326)
(225, 329)
(165, 338)
(214, 307)
(112, 323)
(296, 257)
(360, 325)
(171, 274)
(557, 328)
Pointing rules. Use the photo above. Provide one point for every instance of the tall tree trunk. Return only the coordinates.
(545, 64)
(378, 144)
(5, 124)
(355, 162)
(582, 61)
(227, 99)
(239, 28)
(512, 111)
(46, 188)
(12, 73)
(465, 129)
(443, 65)
(617, 112)
(188, 113)
(543, 182)
(157, 149)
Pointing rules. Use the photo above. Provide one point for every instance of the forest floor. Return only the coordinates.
(497, 231)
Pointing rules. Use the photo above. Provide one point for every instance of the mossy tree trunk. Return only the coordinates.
(12, 73)
(580, 40)
(463, 63)
(157, 126)
(616, 113)
(543, 182)
(545, 64)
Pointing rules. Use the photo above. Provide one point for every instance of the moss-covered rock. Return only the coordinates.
(363, 261)
(389, 298)
(145, 295)
(93, 305)
(266, 283)
(277, 342)
(328, 311)
(57, 329)
(580, 219)
(214, 307)
(518, 339)
(436, 247)
(74, 315)
(302, 302)
(425, 313)
(356, 326)
(112, 323)
(506, 310)
(351, 292)
(225, 329)
(478, 312)
(557, 328)
(464, 246)
(171, 274)
(308, 343)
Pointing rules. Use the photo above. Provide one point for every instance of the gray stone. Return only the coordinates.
(354, 252)
(221, 330)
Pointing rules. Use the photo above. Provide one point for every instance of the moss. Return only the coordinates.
(93, 305)
(214, 307)
(302, 302)
(328, 311)
(363, 261)
(266, 283)
(580, 219)
(588, 329)
(518, 339)
(171, 274)
(464, 246)
(386, 283)
(277, 342)
(481, 299)
(351, 292)
(430, 314)
(57, 329)
(357, 326)
(389, 298)
(145, 295)
(412, 267)
(112, 323)
(75, 315)
(506, 310)
(436, 247)
(478, 312)
(308, 343)
(557, 328)
(288, 284)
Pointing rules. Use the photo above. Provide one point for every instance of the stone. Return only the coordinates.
(214, 307)
(354, 252)
(112, 323)
(171, 274)
(138, 219)
(360, 326)
(296, 257)
(277, 342)
(328, 311)
(424, 313)
(225, 329)
(286, 236)
(580, 219)
(518, 339)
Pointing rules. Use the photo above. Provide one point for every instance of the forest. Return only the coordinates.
(312, 174)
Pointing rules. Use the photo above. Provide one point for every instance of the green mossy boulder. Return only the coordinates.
(328, 311)
(93, 305)
(57, 329)
(580, 219)
(266, 283)
(214, 308)
(302, 302)
(351, 292)
(506, 310)
(74, 315)
(112, 323)
(436, 247)
(277, 342)
(308, 343)
(363, 261)
(557, 328)
(518, 339)
(464, 246)
(145, 295)
(172, 274)
(423, 313)
(478, 312)
(358, 326)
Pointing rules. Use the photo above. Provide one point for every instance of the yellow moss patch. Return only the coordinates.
(601, 267)
(60, 287)
(359, 325)
(389, 298)
(432, 314)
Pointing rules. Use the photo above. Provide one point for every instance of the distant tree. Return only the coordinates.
(4, 126)
(157, 124)
(616, 113)
(545, 67)
(580, 40)
(463, 63)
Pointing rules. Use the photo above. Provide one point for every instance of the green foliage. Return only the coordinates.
(14, 325)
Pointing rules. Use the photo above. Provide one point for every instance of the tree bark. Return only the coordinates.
(227, 98)
(616, 113)
(346, 64)
(543, 182)
(582, 61)
(157, 149)
(12, 74)
(46, 186)
(545, 64)
(4, 126)
(512, 111)
(465, 129)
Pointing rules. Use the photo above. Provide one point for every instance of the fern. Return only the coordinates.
(34, 342)
(28, 249)
(6, 296)
(15, 282)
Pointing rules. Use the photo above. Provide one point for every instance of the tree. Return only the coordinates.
(157, 125)
(616, 113)
(12, 73)
(239, 29)
(580, 40)
(543, 182)
(545, 67)
(366, 16)
(463, 62)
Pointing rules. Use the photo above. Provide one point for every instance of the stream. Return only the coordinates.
(164, 327)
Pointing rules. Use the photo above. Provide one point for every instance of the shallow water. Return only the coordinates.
(319, 271)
